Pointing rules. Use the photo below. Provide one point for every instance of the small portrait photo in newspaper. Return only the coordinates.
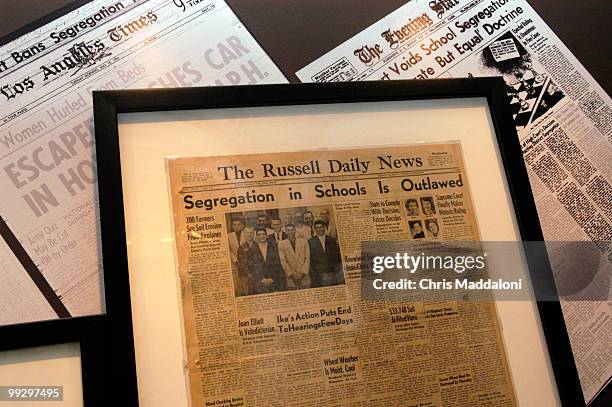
(427, 203)
(412, 207)
(283, 249)
(416, 229)
(432, 227)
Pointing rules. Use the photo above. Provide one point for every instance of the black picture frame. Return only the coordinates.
(604, 398)
(89, 332)
(108, 104)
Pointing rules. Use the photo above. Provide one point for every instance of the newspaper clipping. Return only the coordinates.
(50, 253)
(562, 116)
(268, 256)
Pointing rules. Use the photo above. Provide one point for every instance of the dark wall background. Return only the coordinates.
(295, 32)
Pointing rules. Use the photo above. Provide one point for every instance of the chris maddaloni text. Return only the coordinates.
(456, 284)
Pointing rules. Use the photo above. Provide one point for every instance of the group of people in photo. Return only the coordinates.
(283, 249)
(427, 209)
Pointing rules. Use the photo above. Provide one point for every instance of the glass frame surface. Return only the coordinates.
(108, 105)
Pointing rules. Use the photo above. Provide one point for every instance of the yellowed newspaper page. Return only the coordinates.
(269, 250)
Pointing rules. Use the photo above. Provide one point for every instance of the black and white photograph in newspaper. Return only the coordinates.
(284, 249)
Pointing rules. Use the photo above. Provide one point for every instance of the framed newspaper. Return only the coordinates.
(325, 244)
(61, 361)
